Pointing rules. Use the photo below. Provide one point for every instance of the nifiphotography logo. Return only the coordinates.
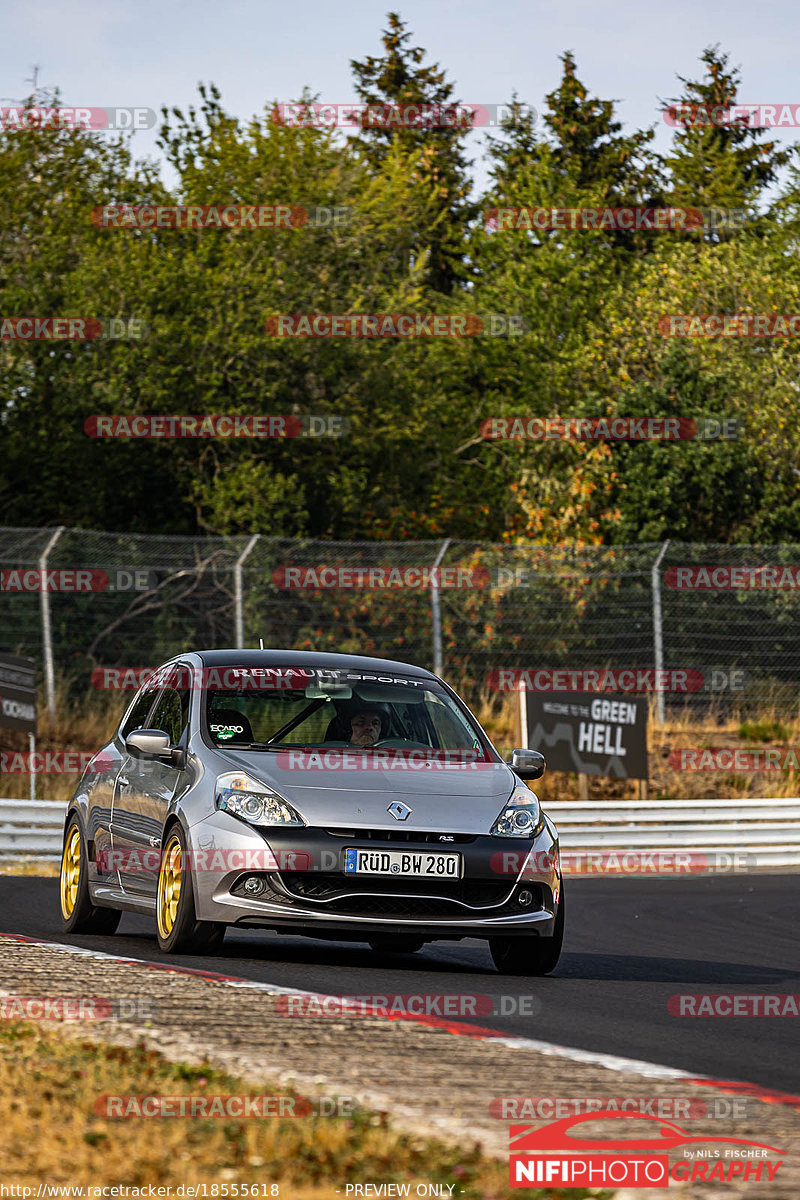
(550, 1155)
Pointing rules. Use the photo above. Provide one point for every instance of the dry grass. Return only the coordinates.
(50, 1132)
(32, 866)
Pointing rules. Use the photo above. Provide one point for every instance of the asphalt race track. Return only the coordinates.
(631, 944)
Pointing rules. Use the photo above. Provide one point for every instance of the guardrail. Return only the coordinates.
(766, 829)
(31, 827)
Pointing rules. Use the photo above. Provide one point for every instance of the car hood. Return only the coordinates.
(452, 798)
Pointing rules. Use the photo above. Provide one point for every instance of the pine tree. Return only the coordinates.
(717, 165)
(581, 159)
(437, 152)
(589, 148)
(516, 150)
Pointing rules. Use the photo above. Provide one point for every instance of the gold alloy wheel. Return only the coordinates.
(169, 887)
(70, 871)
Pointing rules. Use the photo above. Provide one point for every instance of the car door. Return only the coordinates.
(136, 717)
(145, 788)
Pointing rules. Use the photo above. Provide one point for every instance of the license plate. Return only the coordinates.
(419, 863)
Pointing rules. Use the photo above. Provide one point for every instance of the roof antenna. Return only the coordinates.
(261, 643)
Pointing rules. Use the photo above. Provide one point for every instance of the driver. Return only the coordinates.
(360, 721)
(365, 727)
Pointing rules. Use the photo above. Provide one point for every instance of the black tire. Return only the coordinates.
(396, 945)
(177, 926)
(78, 914)
(530, 955)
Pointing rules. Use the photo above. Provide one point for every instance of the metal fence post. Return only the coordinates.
(436, 609)
(238, 593)
(523, 714)
(47, 630)
(31, 753)
(658, 632)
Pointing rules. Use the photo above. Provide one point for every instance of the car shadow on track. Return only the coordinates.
(253, 955)
(302, 952)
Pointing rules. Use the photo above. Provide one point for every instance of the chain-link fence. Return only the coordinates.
(697, 624)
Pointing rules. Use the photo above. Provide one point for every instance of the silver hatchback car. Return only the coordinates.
(339, 797)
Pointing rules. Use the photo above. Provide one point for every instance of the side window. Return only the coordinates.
(137, 717)
(172, 714)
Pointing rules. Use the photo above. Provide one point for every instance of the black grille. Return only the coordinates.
(446, 893)
(403, 835)
(401, 906)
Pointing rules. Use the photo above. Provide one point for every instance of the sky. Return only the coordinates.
(105, 52)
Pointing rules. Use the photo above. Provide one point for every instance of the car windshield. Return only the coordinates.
(291, 707)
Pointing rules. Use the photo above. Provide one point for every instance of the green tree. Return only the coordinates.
(718, 164)
(589, 150)
(559, 282)
(435, 154)
(50, 180)
(232, 281)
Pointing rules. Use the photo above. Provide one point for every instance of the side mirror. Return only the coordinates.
(153, 744)
(527, 764)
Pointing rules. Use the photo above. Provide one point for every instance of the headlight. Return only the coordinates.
(254, 802)
(521, 816)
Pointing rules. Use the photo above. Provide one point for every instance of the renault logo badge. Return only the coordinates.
(399, 810)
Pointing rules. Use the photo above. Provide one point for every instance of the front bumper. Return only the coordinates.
(509, 887)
